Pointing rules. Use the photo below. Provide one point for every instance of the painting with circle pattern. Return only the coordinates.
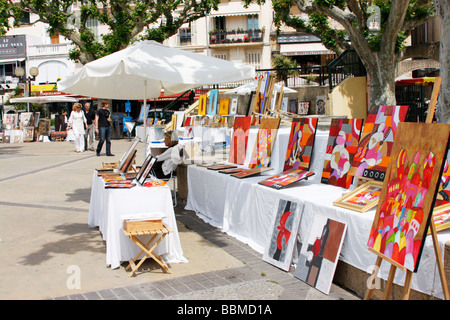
(409, 191)
(372, 156)
(341, 147)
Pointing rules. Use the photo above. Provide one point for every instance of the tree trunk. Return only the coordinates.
(443, 105)
(381, 79)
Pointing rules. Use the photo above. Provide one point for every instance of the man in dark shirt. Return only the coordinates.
(103, 127)
(90, 131)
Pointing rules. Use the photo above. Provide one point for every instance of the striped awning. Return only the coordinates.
(235, 9)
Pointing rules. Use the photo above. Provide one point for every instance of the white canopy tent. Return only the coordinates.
(141, 70)
(251, 86)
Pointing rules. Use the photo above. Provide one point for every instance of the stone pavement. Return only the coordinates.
(44, 205)
(256, 280)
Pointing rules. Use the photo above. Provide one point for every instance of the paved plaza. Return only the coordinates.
(45, 239)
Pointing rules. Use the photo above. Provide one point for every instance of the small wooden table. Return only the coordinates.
(157, 229)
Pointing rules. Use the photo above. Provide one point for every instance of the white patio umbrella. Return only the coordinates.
(141, 70)
(251, 86)
(43, 99)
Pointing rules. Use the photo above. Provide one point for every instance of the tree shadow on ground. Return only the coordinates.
(75, 237)
(79, 195)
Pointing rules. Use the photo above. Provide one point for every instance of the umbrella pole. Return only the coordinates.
(145, 118)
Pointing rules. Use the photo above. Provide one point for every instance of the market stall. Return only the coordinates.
(244, 209)
(107, 210)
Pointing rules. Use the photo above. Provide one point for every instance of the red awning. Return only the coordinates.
(425, 81)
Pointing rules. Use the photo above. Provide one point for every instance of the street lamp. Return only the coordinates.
(34, 72)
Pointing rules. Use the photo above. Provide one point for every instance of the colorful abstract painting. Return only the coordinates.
(238, 145)
(265, 140)
(223, 106)
(372, 156)
(363, 198)
(286, 178)
(280, 245)
(443, 196)
(441, 217)
(234, 105)
(301, 143)
(341, 147)
(409, 189)
(213, 97)
(319, 252)
(202, 104)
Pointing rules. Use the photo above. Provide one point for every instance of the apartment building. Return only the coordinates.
(232, 32)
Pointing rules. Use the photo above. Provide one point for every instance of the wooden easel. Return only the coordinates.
(407, 286)
(433, 100)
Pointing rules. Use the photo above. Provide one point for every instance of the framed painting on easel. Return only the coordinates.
(410, 188)
(404, 210)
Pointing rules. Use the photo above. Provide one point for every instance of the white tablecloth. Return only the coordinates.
(243, 209)
(108, 206)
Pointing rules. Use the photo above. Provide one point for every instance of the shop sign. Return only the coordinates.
(13, 47)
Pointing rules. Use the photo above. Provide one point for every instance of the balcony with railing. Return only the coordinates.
(56, 49)
(239, 36)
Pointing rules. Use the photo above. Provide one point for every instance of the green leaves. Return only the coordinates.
(126, 21)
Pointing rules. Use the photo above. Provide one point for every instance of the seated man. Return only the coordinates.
(169, 159)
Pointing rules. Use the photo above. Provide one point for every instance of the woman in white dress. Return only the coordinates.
(77, 122)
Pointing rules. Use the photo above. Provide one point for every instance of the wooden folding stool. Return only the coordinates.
(157, 230)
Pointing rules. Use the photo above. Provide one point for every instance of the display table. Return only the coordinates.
(243, 209)
(108, 206)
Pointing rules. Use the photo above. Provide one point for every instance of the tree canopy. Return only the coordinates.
(375, 29)
(127, 21)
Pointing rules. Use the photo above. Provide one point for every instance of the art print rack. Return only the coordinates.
(404, 211)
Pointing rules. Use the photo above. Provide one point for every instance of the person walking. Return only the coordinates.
(77, 122)
(90, 131)
(103, 128)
